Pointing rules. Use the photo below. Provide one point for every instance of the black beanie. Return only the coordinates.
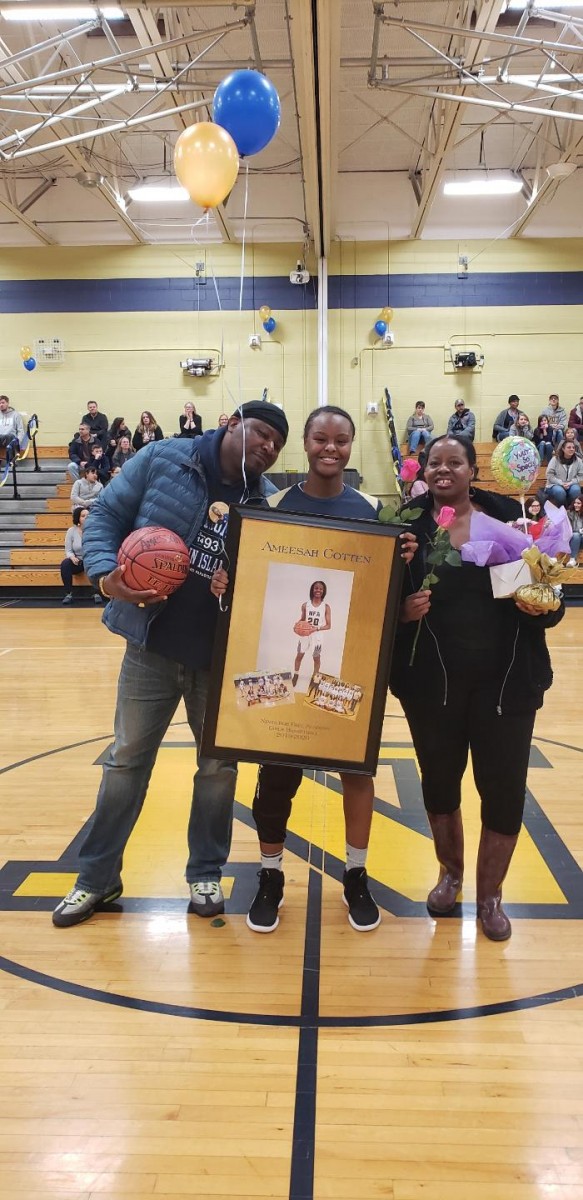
(270, 414)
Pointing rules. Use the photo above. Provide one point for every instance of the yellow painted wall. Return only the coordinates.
(130, 361)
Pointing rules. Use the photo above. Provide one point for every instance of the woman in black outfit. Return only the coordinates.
(190, 422)
(479, 674)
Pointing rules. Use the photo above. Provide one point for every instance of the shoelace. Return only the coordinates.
(206, 888)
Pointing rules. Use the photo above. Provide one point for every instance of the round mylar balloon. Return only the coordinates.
(386, 314)
(515, 464)
(264, 312)
(247, 105)
(25, 352)
(206, 163)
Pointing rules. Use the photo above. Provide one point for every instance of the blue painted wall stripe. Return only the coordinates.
(528, 288)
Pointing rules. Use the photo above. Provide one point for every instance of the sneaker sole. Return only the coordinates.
(64, 922)
(360, 928)
(264, 928)
(216, 910)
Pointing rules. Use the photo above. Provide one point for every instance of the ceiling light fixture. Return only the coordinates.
(84, 12)
(158, 194)
(484, 186)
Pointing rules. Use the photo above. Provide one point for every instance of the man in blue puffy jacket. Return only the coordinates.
(184, 486)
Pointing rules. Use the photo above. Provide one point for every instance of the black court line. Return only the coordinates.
(304, 1129)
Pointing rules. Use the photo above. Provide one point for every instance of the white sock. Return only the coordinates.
(355, 857)
(272, 862)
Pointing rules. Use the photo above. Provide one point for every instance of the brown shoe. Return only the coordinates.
(494, 857)
(448, 839)
(493, 919)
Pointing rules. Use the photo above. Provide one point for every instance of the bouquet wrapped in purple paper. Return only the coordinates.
(519, 567)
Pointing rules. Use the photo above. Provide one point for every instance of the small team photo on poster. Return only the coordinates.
(266, 688)
(334, 695)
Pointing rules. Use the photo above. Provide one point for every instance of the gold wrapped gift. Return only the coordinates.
(546, 573)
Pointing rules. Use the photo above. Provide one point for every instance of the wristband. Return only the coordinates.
(105, 594)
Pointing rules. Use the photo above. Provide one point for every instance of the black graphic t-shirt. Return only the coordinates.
(184, 631)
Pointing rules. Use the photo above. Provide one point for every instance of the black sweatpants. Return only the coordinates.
(68, 569)
(443, 735)
(272, 802)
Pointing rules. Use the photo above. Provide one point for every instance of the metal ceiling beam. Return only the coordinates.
(328, 19)
(547, 189)
(26, 222)
(300, 25)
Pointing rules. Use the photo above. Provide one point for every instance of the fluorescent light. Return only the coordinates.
(520, 5)
(27, 12)
(159, 193)
(483, 187)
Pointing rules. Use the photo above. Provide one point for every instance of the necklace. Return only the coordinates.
(302, 489)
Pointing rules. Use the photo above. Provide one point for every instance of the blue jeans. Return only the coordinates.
(546, 451)
(418, 435)
(575, 544)
(563, 495)
(149, 690)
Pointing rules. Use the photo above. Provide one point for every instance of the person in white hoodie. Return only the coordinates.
(85, 491)
(11, 424)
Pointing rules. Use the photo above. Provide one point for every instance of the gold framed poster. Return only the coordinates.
(302, 652)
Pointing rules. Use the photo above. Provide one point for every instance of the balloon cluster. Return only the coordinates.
(515, 464)
(28, 360)
(269, 323)
(383, 321)
(246, 115)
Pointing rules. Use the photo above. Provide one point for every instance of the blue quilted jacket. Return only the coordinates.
(162, 485)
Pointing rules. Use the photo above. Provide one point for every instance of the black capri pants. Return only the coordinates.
(272, 802)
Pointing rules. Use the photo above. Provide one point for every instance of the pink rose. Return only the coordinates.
(409, 470)
(445, 517)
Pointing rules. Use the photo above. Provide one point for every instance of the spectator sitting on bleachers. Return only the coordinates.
(575, 515)
(97, 422)
(522, 427)
(222, 421)
(118, 430)
(85, 491)
(80, 451)
(11, 424)
(571, 436)
(506, 419)
(72, 563)
(576, 419)
(564, 475)
(558, 419)
(147, 431)
(545, 439)
(462, 421)
(124, 452)
(190, 423)
(101, 462)
(419, 427)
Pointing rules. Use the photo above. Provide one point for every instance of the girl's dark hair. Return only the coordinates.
(560, 450)
(322, 585)
(334, 411)
(530, 501)
(465, 443)
(116, 424)
(77, 514)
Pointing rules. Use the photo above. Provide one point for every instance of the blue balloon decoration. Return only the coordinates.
(269, 324)
(246, 104)
(380, 327)
(29, 364)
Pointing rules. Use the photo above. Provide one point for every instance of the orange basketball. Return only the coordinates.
(303, 628)
(154, 558)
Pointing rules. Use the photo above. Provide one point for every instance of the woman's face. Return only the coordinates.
(145, 418)
(569, 450)
(328, 444)
(317, 593)
(83, 516)
(448, 473)
(124, 444)
(189, 410)
(223, 420)
(578, 504)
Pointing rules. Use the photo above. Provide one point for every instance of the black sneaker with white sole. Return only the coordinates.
(80, 905)
(263, 914)
(363, 912)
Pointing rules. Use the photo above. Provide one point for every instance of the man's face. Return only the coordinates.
(3, 404)
(98, 451)
(459, 408)
(84, 432)
(419, 409)
(92, 408)
(554, 401)
(261, 446)
(513, 405)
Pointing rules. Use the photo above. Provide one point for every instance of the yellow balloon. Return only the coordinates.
(206, 163)
(264, 312)
(25, 352)
(386, 315)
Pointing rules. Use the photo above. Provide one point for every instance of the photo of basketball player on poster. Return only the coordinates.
(304, 622)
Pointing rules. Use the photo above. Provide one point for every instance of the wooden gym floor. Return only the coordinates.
(149, 1054)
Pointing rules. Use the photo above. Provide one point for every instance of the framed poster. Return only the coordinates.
(302, 652)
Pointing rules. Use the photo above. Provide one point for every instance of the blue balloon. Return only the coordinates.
(380, 327)
(246, 104)
(269, 324)
(29, 364)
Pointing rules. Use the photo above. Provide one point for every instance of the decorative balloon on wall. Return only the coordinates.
(246, 104)
(270, 324)
(264, 312)
(25, 352)
(29, 363)
(206, 163)
(380, 327)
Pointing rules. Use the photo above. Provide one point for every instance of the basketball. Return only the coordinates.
(154, 558)
(303, 628)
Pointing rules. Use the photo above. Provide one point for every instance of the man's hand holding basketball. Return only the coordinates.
(115, 588)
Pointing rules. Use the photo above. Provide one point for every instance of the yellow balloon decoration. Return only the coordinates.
(264, 312)
(387, 315)
(206, 163)
(25, 352)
